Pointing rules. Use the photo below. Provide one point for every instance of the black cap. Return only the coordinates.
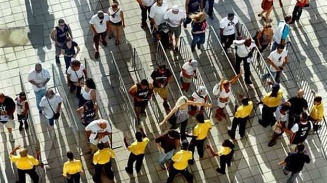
(185, 144)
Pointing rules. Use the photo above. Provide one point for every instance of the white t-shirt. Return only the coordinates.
(158, 13)
(74, 75)
(277, 59)
(228, 26)
(53, 102)
(174, 20)
(147, 3)
(116, 18)
(95, 129)
(188, 69)
(38, 78)
(280, 116)
(242, 50)
(96, 21)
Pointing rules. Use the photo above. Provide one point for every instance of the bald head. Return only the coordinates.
(102, 124)
(300, 93)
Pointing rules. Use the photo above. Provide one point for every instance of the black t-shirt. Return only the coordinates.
(9, 106)
(166, 142)
(160, 78)
(70, 51)
(295, 161)
(298, 104)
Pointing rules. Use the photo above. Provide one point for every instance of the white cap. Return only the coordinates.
(202, 90)
(194, 63)
(175, 7)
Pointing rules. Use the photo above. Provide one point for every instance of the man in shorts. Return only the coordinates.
(7, 109)
(97, 132)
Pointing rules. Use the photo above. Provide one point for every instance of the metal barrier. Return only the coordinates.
(2, 170)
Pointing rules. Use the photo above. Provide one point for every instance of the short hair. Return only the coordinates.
(200, 118)
(245, 101)
(68, 39)
(75, 63)
(228, 143)
(90, 83)
(61, 21)
(144, 82)
(317, 99)
(231, 14)
(300, 147)
(162, 66)
(100, 145)
(70, 155)
(288, 18)
(280, 46)
(49, 92)
(185, 144)
(139, 136)
(304, 116)
(23, 152)
(172, 133)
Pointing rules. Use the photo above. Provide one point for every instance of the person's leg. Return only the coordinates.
(25, 121)
(230, 40)
(202, 38)
(292, 178)
(295, 13)
(21, 176)
(109, 172)
(274, 46)
(20, 121)
(111, 30)
(178, 32)
(78, 91)
(162, 158)
(58, 51)
(223, 40)
(139, 162)
(70, 179)
(188, 176)
(103, 36)
(34, 176)
(98, 171)
(222, 163)
(76, 177)
(172, 174)
(210, 8)
(268, 13)
(191, 148)
(194, 42)
(67, 61)
(238, 64)
(299, 13)
(272, 118)
(183, 129)
(131, 159)
(291, 119)
(118, 29)
(247, 72)
(143, 15)
(242, 126)
(265, 116)
(273, 140)
(38, 96)
(231, 132)
(200, 148)
(96, 40)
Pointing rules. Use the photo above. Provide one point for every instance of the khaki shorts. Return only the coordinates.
(162, 92)
(9, 124)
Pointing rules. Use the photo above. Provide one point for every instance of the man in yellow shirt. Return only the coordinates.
(102, 159)
(25, 164)
(137, 149)
(226, 154)
(200, 133)
(317, 113)
(241, 116)
(72, 169)
(180, 164)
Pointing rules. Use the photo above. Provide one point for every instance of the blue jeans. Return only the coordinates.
(198, 39)
(165, 157)
(274, 46)
(38, 96)
(293, 176)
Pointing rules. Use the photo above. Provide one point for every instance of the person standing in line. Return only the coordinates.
(22, 110)
(51, 106)
(200, 95)
(7, 109)
(157, 15)
(117, 21)
(298, 105)
(180, 164)
(39, 77)
(187, 74)
(76, 74)
(267, 6)
(192, 7)
(210, 7)
(297, 11)
(68, 50)
(99, 26)
(145, 6)
(241, 117)
(72, 169)
(226, 155)
(199, 26)
(25, 164)
(294, 163)
(88, 112)
(88, 92)
(228, 26)
(59, 35)
(98, 131)
(317, 113)
(167, 143)
(102, 159)
(281, 33)
(264, 37)
(137, 150)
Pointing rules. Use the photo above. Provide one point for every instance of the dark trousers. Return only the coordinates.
(72, 88)
(138, 165)
(210, 8)
(246, 66)
(22, 119)
(144, 13)
(226, 159)
(226, 41)
(74, 178)
(173, 172)
(67, 61)
(96, 39)
(98, 171)
(183, 129)
(274, 138)
(268, 116)
(199, 146)
(241, 122)
(292, 119)
(297, 12)
(32, 173)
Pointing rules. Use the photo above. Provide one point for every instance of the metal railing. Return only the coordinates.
(2, 170)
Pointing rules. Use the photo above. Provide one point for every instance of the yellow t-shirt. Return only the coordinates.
(103, 156)
(72, 167)
(273, 101)
(201, 130)
(181, 158)
(224, 151)
(24, 163)
(244, 111)
(317, 112)
(138, 148)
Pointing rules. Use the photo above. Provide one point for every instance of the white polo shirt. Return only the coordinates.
(53, 103)
(38, 78)
(95, 129)
(277, 59)
(174, 20)
(242, 50)
(228, 26)
(158, 13)
(116, 18)
(100, 27)
(188, 69)
(147, 3)
(74, 75)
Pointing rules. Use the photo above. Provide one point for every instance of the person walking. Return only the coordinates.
(98, 131)
(88, 92)
(72, 169)
(76, 74)
(58, 36)
(200, 95)
(241, 117)
(294, 163)
(25, 164)
(225, 153)
(102, 160)
(298, 105)
(157, 14)
(7, 109)
(187, 74)
(210, 7)
(39, 77)
(68, 50)
(22, 109)
(145, 6)
(281, 33)
(99, 26)
(264, 37)
(51, 106)
(317, 113)
(267, 6)
(88, 112)
(192, 7)
(199, 26)
(228, 27)
(297, 11)
(137, 150)
(117, 21)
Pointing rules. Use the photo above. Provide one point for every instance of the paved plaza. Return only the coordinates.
(24, 40)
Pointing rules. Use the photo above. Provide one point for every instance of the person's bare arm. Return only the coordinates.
(93, 29)
(235, 78)
(70, 31)
(53, 35)
(59, 107)
(172, 112)
(77, 51)
(186, 6)
(123, 19)
(270, 62)
(13, 151)
(93, 96)
(80, 112)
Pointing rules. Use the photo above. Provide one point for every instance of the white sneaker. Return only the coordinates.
(11, 137)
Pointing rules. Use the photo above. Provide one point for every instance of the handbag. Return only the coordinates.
(55, 114)
(173, 120)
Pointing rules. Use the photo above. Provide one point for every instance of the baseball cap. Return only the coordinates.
(202, 91)
(175, 8)
(194, 63)
(100, 14)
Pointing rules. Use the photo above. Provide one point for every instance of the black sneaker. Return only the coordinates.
(220, 171)
(26, 125)
(57, 60)
(198, 46)
(20, 127)
(96, 55)
(128, 171)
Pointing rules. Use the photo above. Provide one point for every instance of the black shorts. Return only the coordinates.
(116, 24)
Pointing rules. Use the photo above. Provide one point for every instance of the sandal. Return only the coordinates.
(117, 42)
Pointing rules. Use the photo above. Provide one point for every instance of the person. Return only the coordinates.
(76, 74)
(241, 116)
(88, 92)
(223, 91)
(51, 106)
(161, 78)
(264, 37)
(294, 163)
(200, 134)
(99, 26)
(167, 143)
(281, 33)
(72, 169)
(298, 105)
(25, 164)
(200, 95)
(22, 109)
(174, 18)
(88, 112)
(187, 73)
(117, 21)
(317, 113)
(270, 101)
(145, 6)
(102, 159)
(58, 36)
(7, 109)
(137, 150)
(281, 119)
(210, 7)
(267, 6)
(68, 50)
(199, 26)
(182, 116)
(157, 14)
(297, 11)
(180, 163)
(244, 52)
(226, 155)
(192, 7)
(97, 132)
(228, 26)
(39, 77)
